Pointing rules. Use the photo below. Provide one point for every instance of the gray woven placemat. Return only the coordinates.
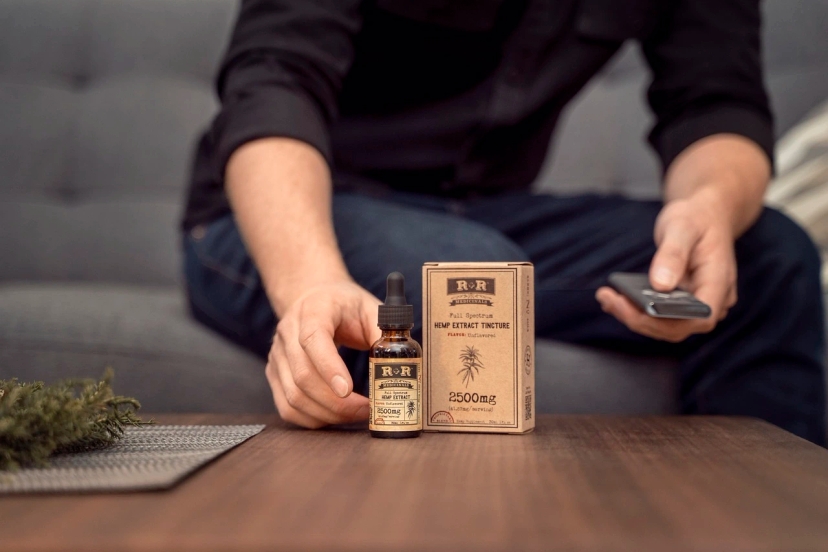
(146, 458)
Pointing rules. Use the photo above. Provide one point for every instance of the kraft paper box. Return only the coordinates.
(479, 347)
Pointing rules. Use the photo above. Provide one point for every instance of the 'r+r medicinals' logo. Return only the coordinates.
(471, 291)
(396, 371)
(395, 376)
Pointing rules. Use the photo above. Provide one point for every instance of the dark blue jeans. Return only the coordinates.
(766, 359)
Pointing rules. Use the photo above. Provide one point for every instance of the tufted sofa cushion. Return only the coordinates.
(159, 355)
(100, 102)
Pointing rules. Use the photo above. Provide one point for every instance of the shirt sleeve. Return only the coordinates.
(282, 73)
(706, 60)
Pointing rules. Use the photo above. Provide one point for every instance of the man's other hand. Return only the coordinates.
(310, 382)
(695, 250)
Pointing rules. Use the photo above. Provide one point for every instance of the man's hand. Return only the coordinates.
(695, 249)
(310, 383)
(713, 193)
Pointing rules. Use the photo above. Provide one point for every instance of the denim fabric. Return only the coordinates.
(766, 359)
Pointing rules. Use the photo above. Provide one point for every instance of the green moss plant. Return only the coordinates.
(37, 420)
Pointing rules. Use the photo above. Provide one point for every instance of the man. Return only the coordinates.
(361, 137)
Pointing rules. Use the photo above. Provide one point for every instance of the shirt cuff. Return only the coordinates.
(677, 136)
(268, 112)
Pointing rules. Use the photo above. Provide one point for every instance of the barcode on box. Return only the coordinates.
(527, 404)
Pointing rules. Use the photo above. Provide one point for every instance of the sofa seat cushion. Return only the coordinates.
(570, 379)
(161, 357)
(171, 364)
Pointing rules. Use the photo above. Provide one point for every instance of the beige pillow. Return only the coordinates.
(800, 188)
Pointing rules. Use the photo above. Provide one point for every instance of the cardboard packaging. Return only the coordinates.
(479, 347)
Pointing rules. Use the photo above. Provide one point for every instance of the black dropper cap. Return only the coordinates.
(395, 313)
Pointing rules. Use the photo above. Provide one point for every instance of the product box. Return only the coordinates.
(479, 347)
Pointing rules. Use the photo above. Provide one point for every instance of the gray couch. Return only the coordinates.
(100, 101)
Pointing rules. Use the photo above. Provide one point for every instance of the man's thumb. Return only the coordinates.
(672, 256)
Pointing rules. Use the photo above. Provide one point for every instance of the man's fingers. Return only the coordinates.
(358, 330)
(317, 342)
(714, 281)
(618, 306)
(305, 391)
(287, 412)
(639, 322)
(732, 297)
(296, 404)
(314, 331)
(350, 324)
(669, 264)
(717, 294)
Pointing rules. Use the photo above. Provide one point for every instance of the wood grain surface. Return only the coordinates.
(576, 483)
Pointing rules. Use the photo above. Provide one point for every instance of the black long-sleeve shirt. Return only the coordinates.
(455, 97)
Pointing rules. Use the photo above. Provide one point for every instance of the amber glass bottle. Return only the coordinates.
(395, 369)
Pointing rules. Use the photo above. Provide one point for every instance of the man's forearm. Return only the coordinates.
(730, 170)
(280, 192)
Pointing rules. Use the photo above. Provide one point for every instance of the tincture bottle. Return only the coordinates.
(395, 369)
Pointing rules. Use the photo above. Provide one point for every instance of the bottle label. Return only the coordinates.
(395, 393)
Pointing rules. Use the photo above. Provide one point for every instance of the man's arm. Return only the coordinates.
(279, 86)
(715, 139)
(728, 171)
(282, 73)
(280, 191)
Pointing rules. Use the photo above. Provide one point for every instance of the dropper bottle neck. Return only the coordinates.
(395, 313)
(396, 333)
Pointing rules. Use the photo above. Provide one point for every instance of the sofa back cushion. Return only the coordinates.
(100, 102)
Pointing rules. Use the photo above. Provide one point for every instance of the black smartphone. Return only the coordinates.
(675, 304)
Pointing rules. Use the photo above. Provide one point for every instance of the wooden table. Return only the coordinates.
(576, 483)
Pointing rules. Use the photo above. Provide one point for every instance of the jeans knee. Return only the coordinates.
(412, 241)
(465, 242)
(477, 243)
(377, 237)
(223, 287)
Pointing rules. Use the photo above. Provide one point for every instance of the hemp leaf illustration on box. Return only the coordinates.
(470, 357)
(410, 409)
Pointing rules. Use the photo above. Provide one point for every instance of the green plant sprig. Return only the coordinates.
(38, 420)
(470, 357)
